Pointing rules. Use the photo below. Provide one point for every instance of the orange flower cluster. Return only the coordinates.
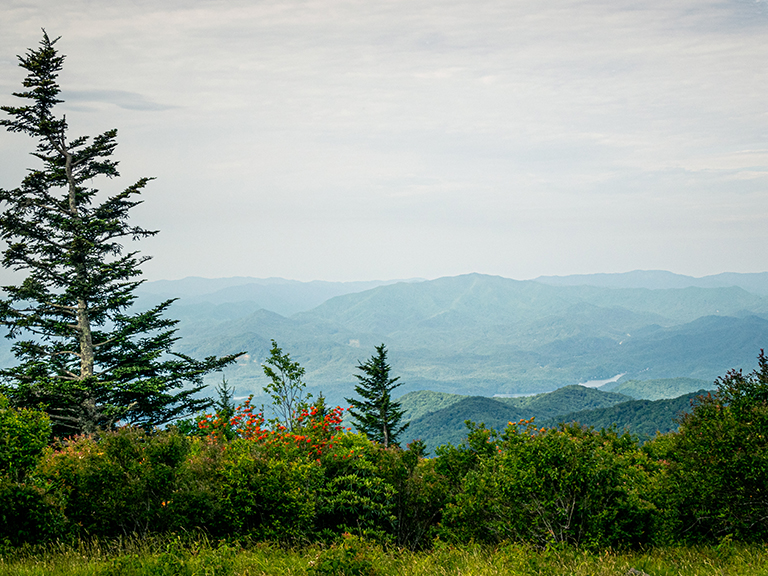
(314, 432)
(319, 430)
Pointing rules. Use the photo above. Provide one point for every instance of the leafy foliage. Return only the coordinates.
(717, 481)
(549, 486)
(24, 433)
(29, 514)
(120, 483)
(420, 492)
(286, 386)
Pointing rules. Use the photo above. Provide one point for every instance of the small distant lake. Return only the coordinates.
(598, 383)
(587, 384)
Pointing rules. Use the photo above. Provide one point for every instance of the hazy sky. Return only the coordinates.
(364, 139)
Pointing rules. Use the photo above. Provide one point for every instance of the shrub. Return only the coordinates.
(716, 481)
(28, 515)
(565, 485)
(24, 433)
(354, 497)
(268, 491)
(353, 556)
(420, 493)
(121, 483)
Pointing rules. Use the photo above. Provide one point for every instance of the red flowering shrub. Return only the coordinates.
(315, 428)
(265, 481)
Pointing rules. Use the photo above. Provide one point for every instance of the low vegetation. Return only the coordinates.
(527, 500)
(199, 555)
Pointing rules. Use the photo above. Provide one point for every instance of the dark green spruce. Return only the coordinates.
(82, 350)
(377, 415)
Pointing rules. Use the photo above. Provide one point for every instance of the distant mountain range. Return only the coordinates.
(756, 283)
(477, 334)
(285, 297)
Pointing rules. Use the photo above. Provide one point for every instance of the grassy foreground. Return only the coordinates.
(173, 557)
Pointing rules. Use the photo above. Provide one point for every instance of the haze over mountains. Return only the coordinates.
(756, 283)
(476, 334)
(279, 295)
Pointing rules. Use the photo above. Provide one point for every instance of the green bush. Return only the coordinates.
(28, 515)
(266, 491)
(198, 501)
(353, 556)
(566, 485)
(24, 434)
(420, 493)
(716, 481)
(354, 497)
(120, 483)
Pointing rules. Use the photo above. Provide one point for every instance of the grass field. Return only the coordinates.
(201, 557)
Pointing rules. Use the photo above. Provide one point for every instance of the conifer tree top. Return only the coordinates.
(376, 414)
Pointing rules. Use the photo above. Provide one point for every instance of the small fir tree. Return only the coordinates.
(377, 415)
(225, 404)
(81, 350)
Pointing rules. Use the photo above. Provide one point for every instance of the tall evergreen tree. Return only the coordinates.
(377, 415)
(81, 350)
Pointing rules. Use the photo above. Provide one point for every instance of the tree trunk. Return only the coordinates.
(86, 340)
(83, 321)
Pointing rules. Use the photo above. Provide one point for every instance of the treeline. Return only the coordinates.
(235, 475)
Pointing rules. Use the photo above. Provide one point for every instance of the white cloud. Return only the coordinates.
(306, 135)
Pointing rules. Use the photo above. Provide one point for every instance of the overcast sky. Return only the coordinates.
(364, 139)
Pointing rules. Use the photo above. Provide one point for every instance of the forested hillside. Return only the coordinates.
(486, 335)
(475, 334)
(643, 418)
(439, 419)
(658, 389)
